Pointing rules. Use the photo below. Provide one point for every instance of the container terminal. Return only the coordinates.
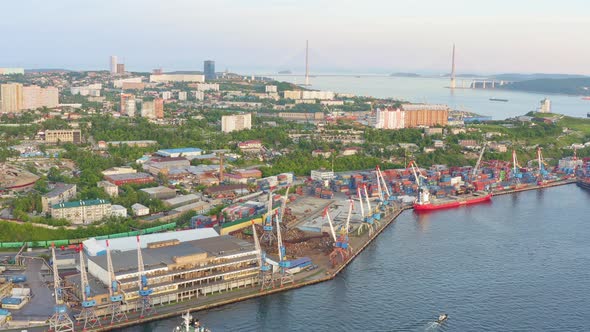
(269, 241)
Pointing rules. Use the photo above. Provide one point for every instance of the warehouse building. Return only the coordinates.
(187, 153)
(179, 270)
(181, 200)
(160, 192)
(129, 178)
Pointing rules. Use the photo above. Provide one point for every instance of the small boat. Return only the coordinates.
(498, 99)
(442, 318)
(190, 324)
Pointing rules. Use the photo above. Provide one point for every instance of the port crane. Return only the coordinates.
(144, 291)
(342, 249)
(115, 296)
(374, 212)
(367, 220)
(266, 273)
(60, 321)
(476, 168)
(286, 275)
(384, 193)
(88, 313)
(267, 227)
(327, 216)
(423, 192)
(516, 168)
(542, 171)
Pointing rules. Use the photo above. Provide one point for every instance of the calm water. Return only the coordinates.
(520, 263)
(432, 90)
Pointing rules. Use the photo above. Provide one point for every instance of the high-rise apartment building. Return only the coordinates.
(128, 104)
(417, 115)
(209, 69)
(12, 97)
(390, 118)
(153, 109)
(113, 64)
(238, 122)
(120, 68)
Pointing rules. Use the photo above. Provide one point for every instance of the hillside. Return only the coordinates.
(570, 86)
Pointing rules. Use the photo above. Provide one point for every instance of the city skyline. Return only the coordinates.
(267, 36)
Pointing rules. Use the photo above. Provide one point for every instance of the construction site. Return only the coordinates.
(292, 239)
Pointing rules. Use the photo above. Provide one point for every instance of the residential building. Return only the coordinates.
(82, 212)
(36, 97)
(302, 116)
(322, 175)
(63, 136)
(60, 194)
(418, 115)
(199, 95)
(182, 95)
(438, 144)
(133, 86)
(252, 146)
(237, 122)
(141, 144)
(322, 95)
(120, 82)
(109, 188)
(118, 211)
(320, 153)
(113, 64)
(292, 94)
(166, 95)
(468, 143)
(153, 109)
(545, 106)
(209, 69)
(12, 97)
(12, 71)
(433, 131)
(131, 178)
(390, 118)
(270, 89)
(206, 86)
(120, 68)
(164, 78)
(88, 90)
(159, 192)
(128, 104)
(140, 210)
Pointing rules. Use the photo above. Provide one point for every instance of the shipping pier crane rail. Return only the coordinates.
(266, 277)
(115, 296)
(60, 321)
(88, 313)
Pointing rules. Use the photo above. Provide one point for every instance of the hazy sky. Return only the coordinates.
(362, 36)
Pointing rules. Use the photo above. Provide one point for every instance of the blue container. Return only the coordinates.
(11, 300)
(17, 278)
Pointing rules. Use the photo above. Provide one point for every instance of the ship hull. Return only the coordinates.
(583, 184)
(452, 204)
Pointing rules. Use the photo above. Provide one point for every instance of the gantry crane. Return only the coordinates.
(266, 273)
(286, 275)
(267, 226)
(373, 212)
(60, 321)
(88, 313)
(145, 291)
(366, 220)
(115, 296)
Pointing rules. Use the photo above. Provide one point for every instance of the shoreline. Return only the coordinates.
(252, 293)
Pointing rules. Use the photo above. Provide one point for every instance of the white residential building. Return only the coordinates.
(238, 122)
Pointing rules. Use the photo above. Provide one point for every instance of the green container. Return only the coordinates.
(11, 244)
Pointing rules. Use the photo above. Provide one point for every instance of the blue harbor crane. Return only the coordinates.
(60, 321)
(286, 275)
(342, 249)
(115, 296)
(267, 225)
(367, 220)
(88, 313)
(266, 272)
(145, 291)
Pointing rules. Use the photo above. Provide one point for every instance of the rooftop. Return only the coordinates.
(59, 189)
(80, 203)
(181, 199)
(166, 152)
(155, 190)
(127, 176)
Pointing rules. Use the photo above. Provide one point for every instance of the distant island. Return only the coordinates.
(405, 75)
(569, 86)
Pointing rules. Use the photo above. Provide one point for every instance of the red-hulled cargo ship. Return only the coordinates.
(584, 183)
(424, 204)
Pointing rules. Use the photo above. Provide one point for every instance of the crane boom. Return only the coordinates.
(350, 208)
(85, 287)
(474, 173)
(358, 190)
(257, 244)
(56, 280)
(140, 267)
(113, 287)
(380, 176)
(368, 202)
(327, 215)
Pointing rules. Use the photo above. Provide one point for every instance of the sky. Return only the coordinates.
(265, 36)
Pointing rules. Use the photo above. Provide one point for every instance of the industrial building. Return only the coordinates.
(181, 200)
(187, 153)
(60, 194)
(135, 178)
(159, 192)
(164, 165)
(82, 212)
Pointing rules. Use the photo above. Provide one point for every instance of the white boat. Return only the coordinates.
(442, 318)
(190, 324)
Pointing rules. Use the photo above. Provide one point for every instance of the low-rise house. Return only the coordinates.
(140, 210)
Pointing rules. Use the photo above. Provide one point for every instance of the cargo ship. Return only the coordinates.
(498, 99)
(584, 183)
(423, 203)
